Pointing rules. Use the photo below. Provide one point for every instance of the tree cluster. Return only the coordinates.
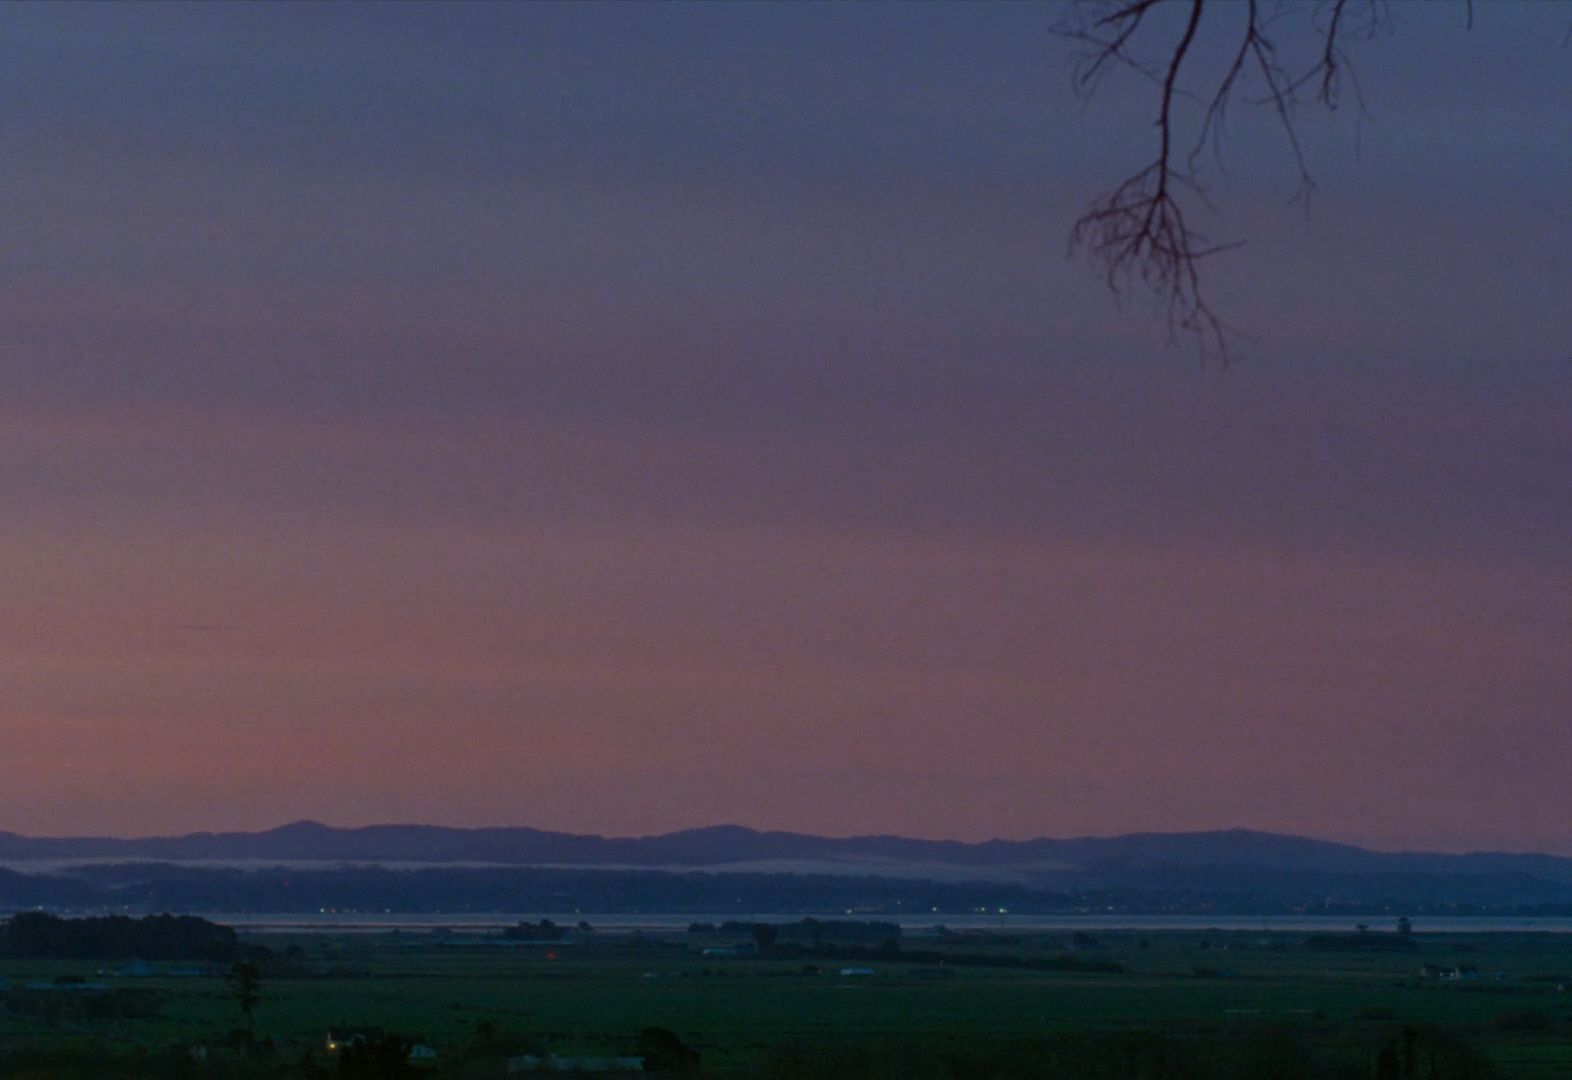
(35, 934)
(545, 930)
(813, 931)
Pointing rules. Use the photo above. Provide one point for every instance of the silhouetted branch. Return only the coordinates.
(1256, 52)
(1139, 230)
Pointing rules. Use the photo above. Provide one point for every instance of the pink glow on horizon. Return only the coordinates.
(640, 678)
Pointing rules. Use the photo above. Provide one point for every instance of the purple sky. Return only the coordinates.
(633, 417)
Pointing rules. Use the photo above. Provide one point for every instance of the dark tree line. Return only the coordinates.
(811, 931)
(545, 930)
(155, 937)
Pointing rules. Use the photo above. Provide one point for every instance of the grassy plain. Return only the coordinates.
(590, 998)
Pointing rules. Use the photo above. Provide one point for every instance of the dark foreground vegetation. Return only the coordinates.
(154, 937)
(1264, 1054)
(800, 999)
(1260, 1053)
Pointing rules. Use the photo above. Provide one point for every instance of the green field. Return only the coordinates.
(477, 1003)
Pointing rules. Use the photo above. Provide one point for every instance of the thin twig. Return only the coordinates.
(1139, 231)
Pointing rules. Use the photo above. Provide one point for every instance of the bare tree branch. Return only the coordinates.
(1139, 231)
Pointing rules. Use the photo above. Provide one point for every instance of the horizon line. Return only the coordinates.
(1235, 829)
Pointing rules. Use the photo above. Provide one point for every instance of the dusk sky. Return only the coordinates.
(626, 418)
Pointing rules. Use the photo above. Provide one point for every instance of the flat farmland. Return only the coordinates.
(1502, 997)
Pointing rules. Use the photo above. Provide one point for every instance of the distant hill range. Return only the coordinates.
(1233, 869)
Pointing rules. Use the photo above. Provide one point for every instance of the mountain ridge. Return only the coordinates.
(718, 845)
